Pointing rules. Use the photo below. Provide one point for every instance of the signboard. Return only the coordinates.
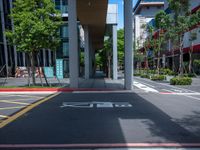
(48, 72)
(59, 68)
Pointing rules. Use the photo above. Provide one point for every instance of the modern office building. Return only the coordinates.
(81, 17)
(187, 43)
(170, 51)
(143, 12)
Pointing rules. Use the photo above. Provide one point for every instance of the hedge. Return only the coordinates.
(158, 77)
(145, 76)
(181, 81)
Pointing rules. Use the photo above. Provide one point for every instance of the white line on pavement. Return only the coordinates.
(168, 85)
(3, 116)
(144, 87)
(196, 98)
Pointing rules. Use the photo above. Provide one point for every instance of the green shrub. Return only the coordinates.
(137, 74)
(145, 76)
(167, 72)
(158, 77)
(197, 62)
(191, 75)
(181, 81)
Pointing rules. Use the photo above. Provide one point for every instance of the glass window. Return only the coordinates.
(65, 31)
(65, 49)
(64, 6)
(58, 4)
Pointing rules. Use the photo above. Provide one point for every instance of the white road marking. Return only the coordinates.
(3, 116)
(97, 104)
(144, 87)
(170, 86)
(167, 90)
(196, 98)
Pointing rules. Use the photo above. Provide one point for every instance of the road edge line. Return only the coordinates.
(25, 110)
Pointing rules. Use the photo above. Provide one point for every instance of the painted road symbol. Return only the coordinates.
(96, 104)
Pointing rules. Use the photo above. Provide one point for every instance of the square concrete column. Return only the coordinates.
(44, 57)
(115, 58)
(128, 39)
(4, 36)
(87, 53)
(50, 59)
(14, 47)
(90, 58)
(73, 44)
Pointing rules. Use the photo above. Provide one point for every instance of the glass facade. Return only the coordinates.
(62, 5)
(62, 52)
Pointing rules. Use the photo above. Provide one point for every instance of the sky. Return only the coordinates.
(121, 11)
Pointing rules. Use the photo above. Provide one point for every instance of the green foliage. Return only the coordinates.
(197, 62)
(161, 20)
(120, 46)
(158, 78)
(167, 72)
(36, 25)
(145, 76)
(137, 74)
(181, 81)
(191, 75)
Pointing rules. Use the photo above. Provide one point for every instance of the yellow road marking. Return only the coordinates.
(6, 108)
(3, 116)
(28, 96)
(25, 110)
(12, 102)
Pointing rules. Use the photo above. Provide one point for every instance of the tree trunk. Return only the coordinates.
(28, 67)
(32, 57)
(190, 61)
(181, 58)
(173, 61)
(109, 70)
(39, 70)
(158, 63)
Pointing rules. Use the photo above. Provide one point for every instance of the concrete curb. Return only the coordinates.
(105, 145)
(26, 90)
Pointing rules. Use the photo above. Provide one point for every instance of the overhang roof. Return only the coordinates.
(93, 13)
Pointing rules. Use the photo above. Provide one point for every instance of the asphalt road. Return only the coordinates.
(12, 103)
(154, 113)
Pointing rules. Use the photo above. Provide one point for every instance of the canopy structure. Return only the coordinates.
(92, 13)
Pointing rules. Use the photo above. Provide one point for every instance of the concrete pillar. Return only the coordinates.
(44, 57)
(87, 53)
(73, 44)
(90, 58)
(115, 58)
(14, 47)
(4, 36)
(128, 38)
(24, 59)
(50, 59)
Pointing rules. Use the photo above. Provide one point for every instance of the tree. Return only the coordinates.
(120, 46)
(161, 22)
(36, 25)
(138, 56)
(193, 37)
(193, 21)
(181, 24)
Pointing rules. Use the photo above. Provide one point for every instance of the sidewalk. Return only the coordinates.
(96, 83)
